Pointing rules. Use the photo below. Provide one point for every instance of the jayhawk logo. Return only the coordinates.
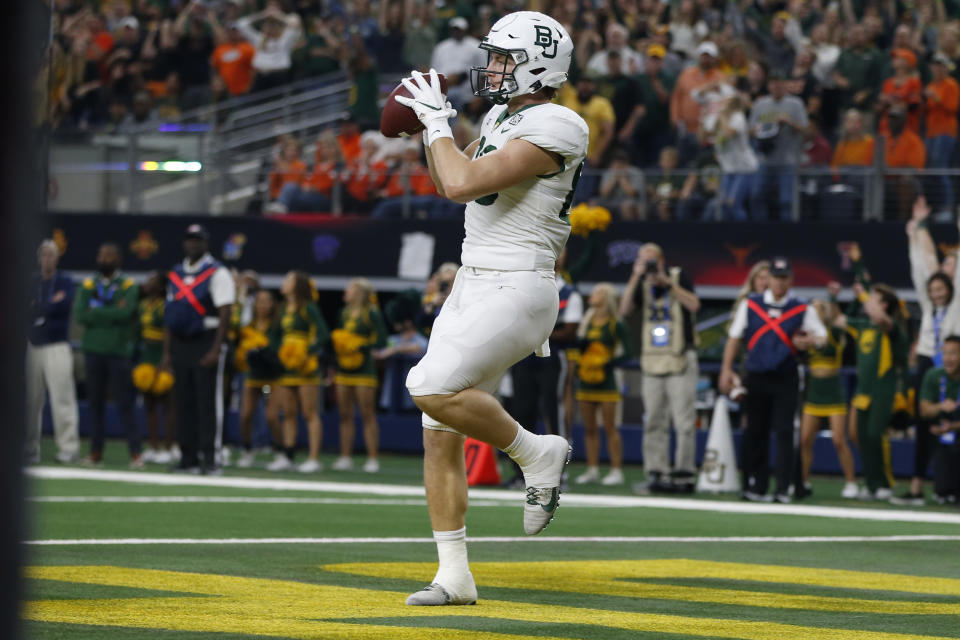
(233, 247)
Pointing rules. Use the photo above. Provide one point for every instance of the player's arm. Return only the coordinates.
(469, 151)
(465, 180)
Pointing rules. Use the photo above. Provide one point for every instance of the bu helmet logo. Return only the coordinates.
(544, 38)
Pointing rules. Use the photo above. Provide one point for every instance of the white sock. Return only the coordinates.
(525, 448)
(452, 552)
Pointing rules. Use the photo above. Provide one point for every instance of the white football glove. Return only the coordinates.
(430, 105)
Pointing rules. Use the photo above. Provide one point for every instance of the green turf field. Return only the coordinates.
(128, 555)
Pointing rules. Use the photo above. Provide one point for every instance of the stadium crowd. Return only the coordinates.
(183, 338)
(709, 108)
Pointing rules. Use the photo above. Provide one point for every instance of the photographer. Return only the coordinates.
(668, 358)
(437, 289)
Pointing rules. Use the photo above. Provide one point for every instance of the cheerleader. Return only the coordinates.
(153, 382)
(361, 331)
(255, 357)
(299, 339)
(606, 345)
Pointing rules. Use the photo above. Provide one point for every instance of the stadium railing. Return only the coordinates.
(145, 173)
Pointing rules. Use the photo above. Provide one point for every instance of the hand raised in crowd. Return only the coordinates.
(639, 265)
(855, 253)
(921, 210)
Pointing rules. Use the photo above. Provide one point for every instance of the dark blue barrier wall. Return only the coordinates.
(718, 254)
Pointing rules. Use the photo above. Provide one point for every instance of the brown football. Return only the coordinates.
(397, 120)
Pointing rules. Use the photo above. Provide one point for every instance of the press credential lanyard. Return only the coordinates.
(950, 436)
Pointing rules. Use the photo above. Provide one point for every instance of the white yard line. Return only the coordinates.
(381, 502)
(568, 499)
(496, 539)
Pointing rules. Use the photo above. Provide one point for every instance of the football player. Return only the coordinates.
(518, 181)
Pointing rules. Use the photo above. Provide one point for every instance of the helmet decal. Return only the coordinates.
(544, 38)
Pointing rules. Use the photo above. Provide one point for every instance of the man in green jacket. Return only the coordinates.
(106, 308)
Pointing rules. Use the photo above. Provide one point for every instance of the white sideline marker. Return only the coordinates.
(495, 539)
(569, 499)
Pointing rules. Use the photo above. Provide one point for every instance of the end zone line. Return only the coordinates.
(495, 539)
(569, 499)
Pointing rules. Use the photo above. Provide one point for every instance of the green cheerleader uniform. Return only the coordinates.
(371, 327)
(308, 324)
(880, 355)
(151, 331)
(611, 335)
(825, 395)
(259, 374)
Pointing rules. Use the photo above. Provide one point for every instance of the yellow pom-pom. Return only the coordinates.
(583, 219)
(240, 358)
(253, 338)
(592, 361)
(144, 375)
(163, 384)
(350, 361)
(591, 375)
(346, 341)
(310, 366)
(347, 345)
(599, 351)
(293, 352)
(250, 339)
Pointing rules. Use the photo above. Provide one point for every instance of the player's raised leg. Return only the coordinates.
(479, 415)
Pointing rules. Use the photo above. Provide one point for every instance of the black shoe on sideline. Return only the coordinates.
(186, 467)
(908, 498)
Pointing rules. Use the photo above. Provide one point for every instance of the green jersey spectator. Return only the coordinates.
(106, 307)
(859, 71)
(940, 401)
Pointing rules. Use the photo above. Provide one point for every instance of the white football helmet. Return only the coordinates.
(539, 46)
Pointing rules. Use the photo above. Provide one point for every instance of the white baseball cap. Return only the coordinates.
(129, 22)
(459, 22)
(707, 47)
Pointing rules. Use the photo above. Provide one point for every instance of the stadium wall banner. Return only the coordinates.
(713, 254)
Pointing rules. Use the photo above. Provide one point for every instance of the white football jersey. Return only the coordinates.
(524, 227)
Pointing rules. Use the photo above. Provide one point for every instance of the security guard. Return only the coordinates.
(200, 295)
(776, 327)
